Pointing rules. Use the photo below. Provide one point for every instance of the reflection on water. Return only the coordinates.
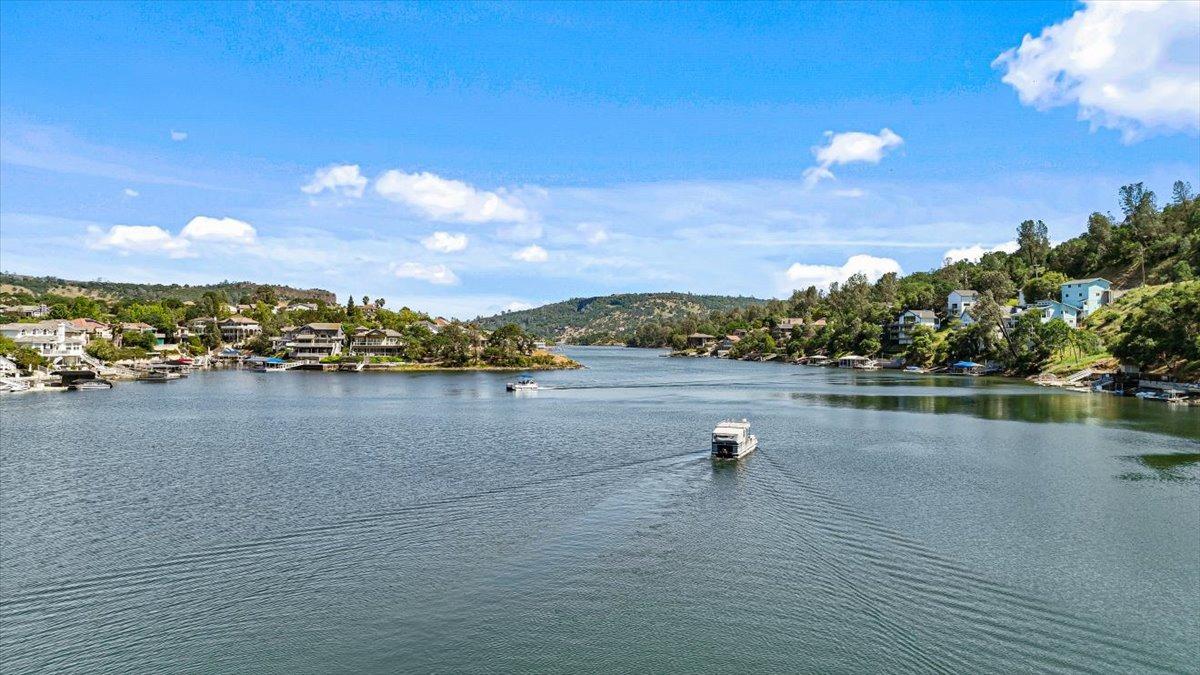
(1034, 406)
(1180, 466)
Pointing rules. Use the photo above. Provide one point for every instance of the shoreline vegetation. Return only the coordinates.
(1019, 322)
(48, 332)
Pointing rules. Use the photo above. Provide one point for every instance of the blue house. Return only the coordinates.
(1086, 294)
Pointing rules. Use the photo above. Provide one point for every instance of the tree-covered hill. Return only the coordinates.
(19, 284)
(614, 318)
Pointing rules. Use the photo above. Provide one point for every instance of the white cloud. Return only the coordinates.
(594, 234)
(178, 135)
(434, 274)
(1130, 66)
(974, 253)
(137, 239)
(848, 147)
(532, 254)
(449, 200)
(445, 242)
(339, 178)
(520, 231)
(802, 276)
(204, 228)
(853, 193)
(517, 305)
(130, 192)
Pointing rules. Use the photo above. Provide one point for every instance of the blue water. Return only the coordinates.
(360, 522)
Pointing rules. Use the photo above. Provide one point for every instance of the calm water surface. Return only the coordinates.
(321, 522)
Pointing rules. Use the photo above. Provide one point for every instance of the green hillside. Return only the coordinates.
(614, 318)
(17, 285)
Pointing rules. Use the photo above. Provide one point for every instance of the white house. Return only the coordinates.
(960, 301)
(377, 342)
(237, 329)
(1086, 294)
(315, 341)
(902, 330)
(56, 339)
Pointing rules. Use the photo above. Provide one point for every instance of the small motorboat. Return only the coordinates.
(914, 369)
(85, 385)
(732, 440)
(157, 376)
(523, 383)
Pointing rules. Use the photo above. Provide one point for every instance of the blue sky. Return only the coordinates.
(468, 158)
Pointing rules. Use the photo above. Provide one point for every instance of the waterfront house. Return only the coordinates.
(57, 340)
(728, 342)
(1087, 295)
(93, 329)
(377, 342)
(237, 329)
(315, 341)
(959, 301)
(901, 331)
(700, 340)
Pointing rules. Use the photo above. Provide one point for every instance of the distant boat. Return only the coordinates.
(914, 369)
(733, 440)
(523, 383)
(157, 376)
(1164, 396)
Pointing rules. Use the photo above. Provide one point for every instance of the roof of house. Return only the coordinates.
(136, 325)
(1044, 303)
(966, 293)
(323, 326)
(239, 319)
(88, 324)
(704, 336)
(923, 313)
(1086, 281)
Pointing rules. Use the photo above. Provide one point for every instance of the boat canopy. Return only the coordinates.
(967, 364)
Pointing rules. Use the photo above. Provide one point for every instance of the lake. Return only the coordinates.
(431, 522)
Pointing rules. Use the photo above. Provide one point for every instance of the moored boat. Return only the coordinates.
(85, 385)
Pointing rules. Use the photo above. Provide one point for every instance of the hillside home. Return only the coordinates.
(960, 301)
(1086, 294)
(1051, 310)
(783, 330)
(901, 331)
(32, 311)
(315, 341)
(93, 329)
(377, 342)
(57, 340)
(237, 329)
(700, 340)
(140, 327)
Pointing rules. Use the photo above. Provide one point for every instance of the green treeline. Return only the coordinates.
(1145, 246)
